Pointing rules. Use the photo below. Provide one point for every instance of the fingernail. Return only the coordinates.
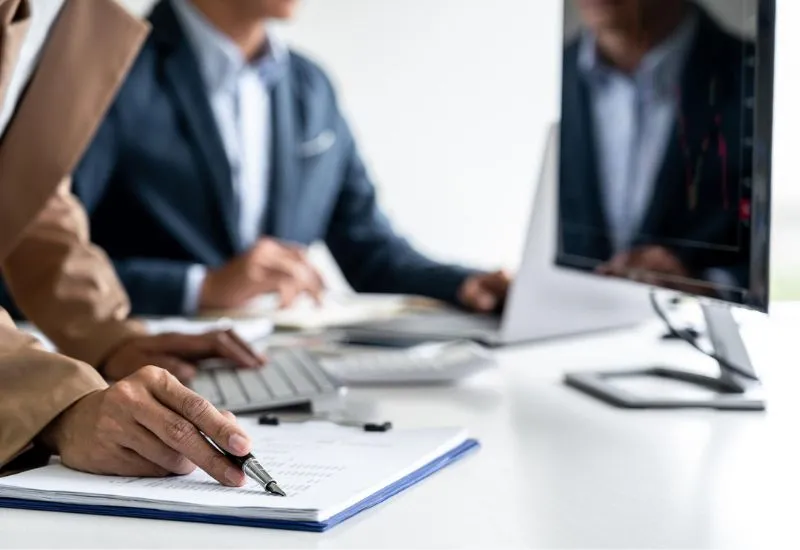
(486, 302)
(234, 476)
(239, 444)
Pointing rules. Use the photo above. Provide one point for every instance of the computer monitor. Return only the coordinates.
(664, 172)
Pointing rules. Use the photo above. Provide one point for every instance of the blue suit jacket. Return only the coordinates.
(157, 183)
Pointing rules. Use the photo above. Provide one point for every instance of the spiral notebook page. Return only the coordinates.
(323, 468)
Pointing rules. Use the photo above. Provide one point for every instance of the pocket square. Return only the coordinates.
(318, 144)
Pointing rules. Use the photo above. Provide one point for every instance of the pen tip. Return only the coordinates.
(273, 488)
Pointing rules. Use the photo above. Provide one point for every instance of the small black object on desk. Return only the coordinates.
(274, 420)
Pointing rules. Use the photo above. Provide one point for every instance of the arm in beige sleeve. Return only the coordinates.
(35, 387)
(66, 286)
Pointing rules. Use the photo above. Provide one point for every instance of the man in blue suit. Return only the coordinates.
(224, 155)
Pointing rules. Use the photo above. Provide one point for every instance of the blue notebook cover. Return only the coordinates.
(373, 500)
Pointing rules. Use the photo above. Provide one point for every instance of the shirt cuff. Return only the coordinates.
(195, 277)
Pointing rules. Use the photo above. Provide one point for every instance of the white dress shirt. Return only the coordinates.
(239, 94)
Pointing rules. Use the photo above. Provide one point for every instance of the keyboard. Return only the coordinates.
(292, 377)
(427, 363)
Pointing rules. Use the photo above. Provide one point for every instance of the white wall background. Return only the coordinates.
(451, 98)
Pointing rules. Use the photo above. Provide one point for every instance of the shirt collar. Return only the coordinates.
(660, 69)
(220, 59)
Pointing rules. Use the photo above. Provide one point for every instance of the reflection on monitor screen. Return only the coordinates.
(665, 144)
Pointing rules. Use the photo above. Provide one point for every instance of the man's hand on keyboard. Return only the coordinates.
(485, 293)
(178, 353)
(149, 425)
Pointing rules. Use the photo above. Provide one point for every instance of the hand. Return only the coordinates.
(270, 266)
(485, 293)
(147, 425)
(644, 263)
(177, 352)
(655, 266)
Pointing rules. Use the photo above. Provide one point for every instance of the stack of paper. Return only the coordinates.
(329, 473)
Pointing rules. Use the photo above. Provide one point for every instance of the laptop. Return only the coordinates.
(544, 301)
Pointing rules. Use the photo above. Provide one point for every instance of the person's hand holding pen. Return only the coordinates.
(148, 425)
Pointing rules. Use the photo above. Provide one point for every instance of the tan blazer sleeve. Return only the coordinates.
(35, 386)
(67, 286)
(60, 281)
(64, 284)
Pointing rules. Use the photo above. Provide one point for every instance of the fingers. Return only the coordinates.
(620, 264)
(300, 272)
(291, 262)
(230, 346)
(319, 287)
(484, 300)
(129, 463)
(485, 293)
(176, 415)
(476, 297)
(203, 346)
(155, 451)
(259, 358)
(497, 282)
(288, 293)
(183, 436)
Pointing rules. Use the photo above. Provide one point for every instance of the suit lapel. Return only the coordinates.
(285, 189)
(89, 50)
(14, 23)
(189, 92)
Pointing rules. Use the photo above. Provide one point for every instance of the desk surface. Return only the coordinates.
(557, 469)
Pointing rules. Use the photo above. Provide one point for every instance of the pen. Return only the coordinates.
(252, 469)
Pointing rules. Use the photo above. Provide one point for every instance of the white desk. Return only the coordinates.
(557, 468)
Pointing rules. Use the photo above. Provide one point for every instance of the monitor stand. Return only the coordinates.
(730, 390)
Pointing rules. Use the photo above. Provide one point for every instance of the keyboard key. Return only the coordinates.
(275, 381)
(205, 386)
(314, 371)
(294, 371)
(231, 390)
(253, 385)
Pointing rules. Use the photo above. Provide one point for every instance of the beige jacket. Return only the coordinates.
(61, 282)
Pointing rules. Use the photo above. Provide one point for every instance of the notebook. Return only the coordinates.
(329, 472)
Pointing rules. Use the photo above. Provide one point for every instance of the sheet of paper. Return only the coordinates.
(337, 309)
(323, 468)
(250, 330)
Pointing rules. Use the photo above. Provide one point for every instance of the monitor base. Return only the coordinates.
(602, 386)
(736, 388)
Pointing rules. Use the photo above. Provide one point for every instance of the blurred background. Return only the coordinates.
(450, 100)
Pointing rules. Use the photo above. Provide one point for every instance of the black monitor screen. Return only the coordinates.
(665, 144)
